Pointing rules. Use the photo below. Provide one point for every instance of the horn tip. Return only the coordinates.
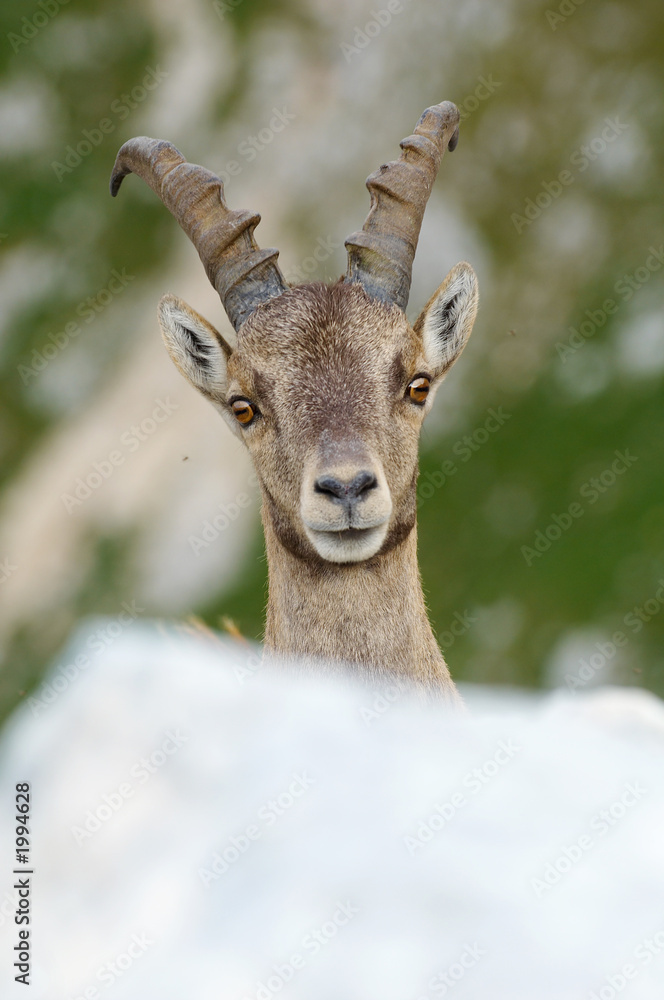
(121, 166)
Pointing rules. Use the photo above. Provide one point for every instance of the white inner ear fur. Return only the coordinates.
(448, 317)
(197, 349)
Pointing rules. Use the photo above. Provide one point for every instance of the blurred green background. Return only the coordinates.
(553, 195)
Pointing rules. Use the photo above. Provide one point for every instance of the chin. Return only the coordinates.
(349, 546)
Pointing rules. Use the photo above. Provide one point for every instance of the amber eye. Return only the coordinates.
(418, 390)
(243, 410)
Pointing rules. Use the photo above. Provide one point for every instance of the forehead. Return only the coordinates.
(331, 335)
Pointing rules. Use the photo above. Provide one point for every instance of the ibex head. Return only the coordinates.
(328, 385)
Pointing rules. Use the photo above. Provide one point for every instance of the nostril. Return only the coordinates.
(330, 485)
(362, 483)
(348, 491)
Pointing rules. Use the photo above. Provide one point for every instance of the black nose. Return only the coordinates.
(346, 492)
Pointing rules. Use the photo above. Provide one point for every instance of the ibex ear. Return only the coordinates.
(197, 349)
(447, 319)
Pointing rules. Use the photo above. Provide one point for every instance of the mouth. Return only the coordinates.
(348, 544)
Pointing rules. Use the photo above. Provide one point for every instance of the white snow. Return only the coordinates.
(384, 850)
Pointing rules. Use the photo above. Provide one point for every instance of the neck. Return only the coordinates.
(371, 614)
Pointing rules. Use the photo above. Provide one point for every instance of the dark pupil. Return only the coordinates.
(242, 410)
(419, 389)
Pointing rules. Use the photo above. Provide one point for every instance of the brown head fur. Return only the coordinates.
(328, 387)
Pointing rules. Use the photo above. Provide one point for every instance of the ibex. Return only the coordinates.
(327, 387)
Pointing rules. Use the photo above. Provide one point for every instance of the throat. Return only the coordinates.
(370, 614)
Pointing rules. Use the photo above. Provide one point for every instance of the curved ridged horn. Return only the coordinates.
(380, 255)
(243, 275)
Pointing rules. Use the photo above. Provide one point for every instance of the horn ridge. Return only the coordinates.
(243, 275)
(380, 255)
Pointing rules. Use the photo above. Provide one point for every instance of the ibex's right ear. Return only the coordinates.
(197, 349)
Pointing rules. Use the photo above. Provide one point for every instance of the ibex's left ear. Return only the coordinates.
(447, 319)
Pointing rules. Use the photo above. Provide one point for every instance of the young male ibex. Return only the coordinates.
(327, 387)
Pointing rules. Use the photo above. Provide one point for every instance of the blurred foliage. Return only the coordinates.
(557, 79)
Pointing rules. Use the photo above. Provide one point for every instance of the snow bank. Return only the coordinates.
(207, 828)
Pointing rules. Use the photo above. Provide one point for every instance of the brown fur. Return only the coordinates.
(328, 366)
(323, 373)
(327, 370)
